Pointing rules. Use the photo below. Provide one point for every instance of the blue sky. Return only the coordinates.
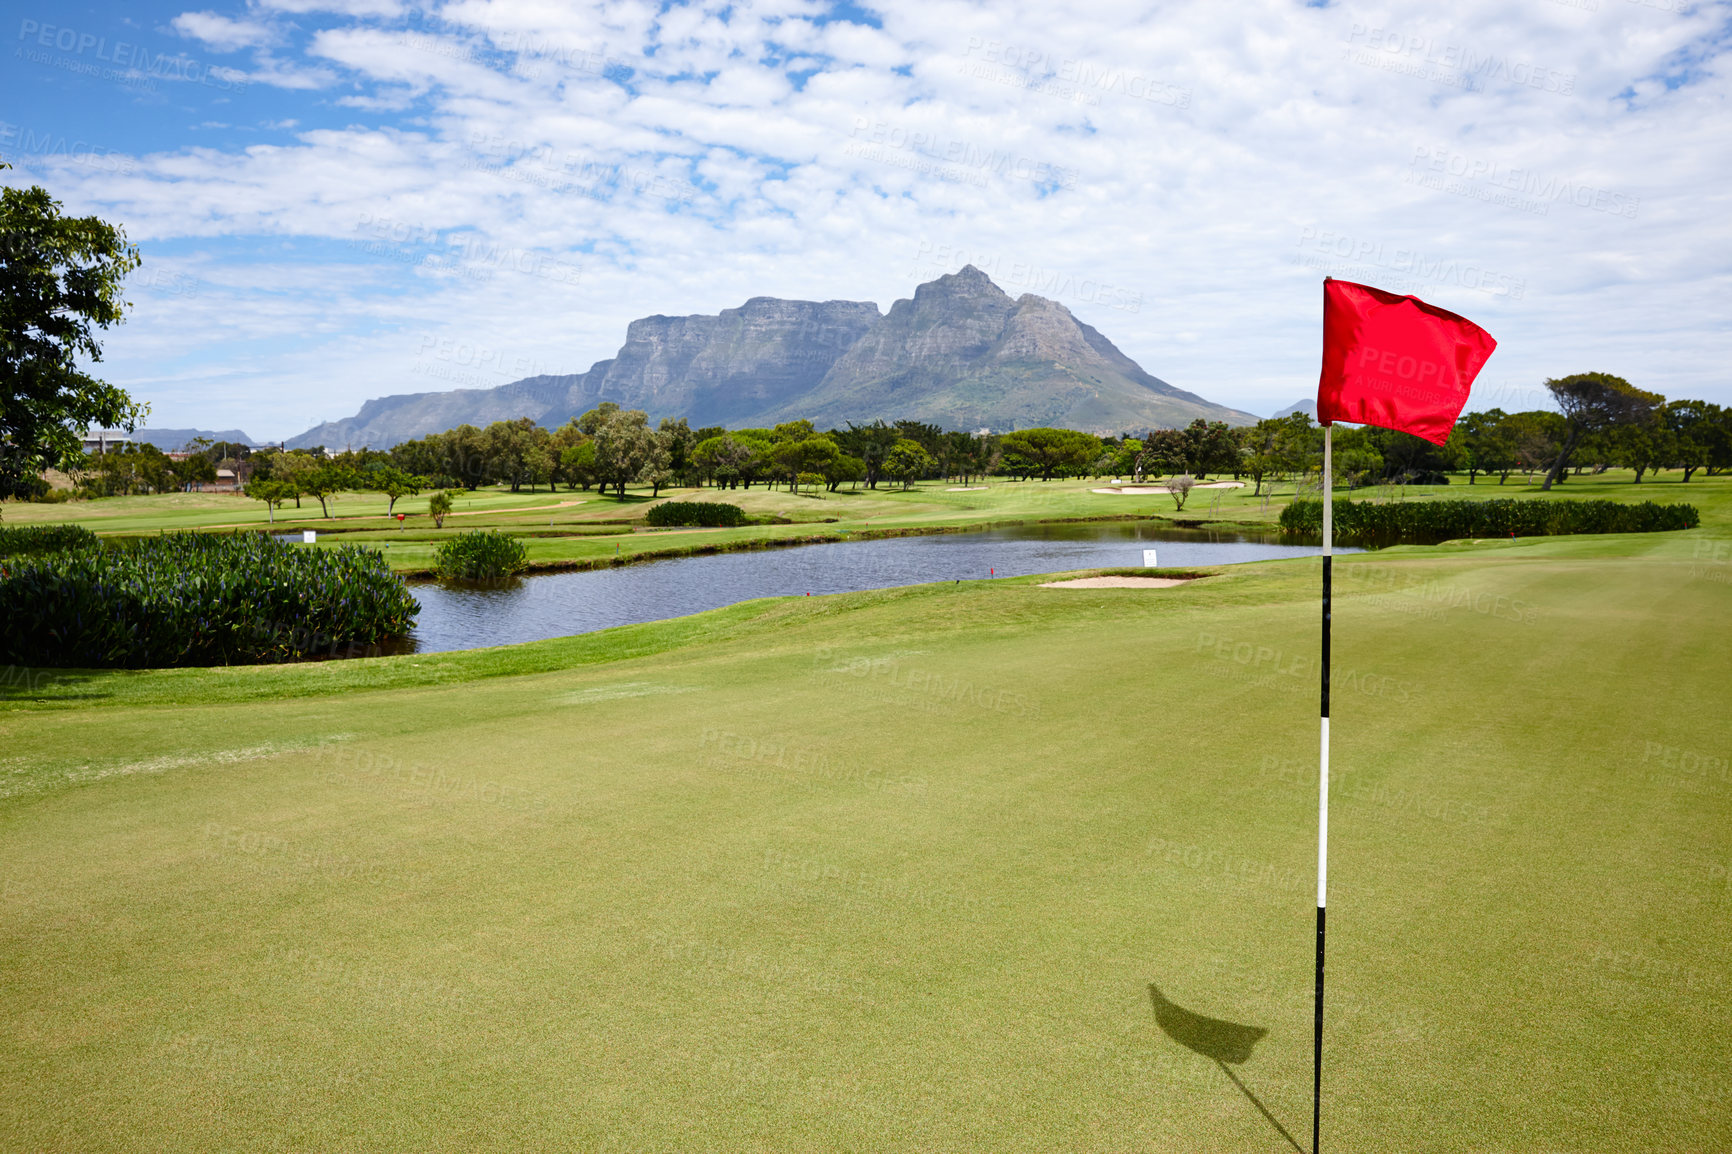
(344, 199)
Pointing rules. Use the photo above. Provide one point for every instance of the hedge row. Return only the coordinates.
(197, 599)
(718, 514)
(20, 539)
(1420, 521)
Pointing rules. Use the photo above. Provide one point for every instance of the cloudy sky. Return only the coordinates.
(342, 199)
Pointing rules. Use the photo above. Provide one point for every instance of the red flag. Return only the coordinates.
(1396, 362)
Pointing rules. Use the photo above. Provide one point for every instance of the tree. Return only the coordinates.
(871, 443)
(624, 445)
(1591, 402)
(293, 468)
(657, 468)
(394, 483)
(721, 459)
(759, 462)
(326, 481)
(680, 440)
(197, 469)
(439, 506)
(844, 468)
(816, 454)
(577, 464)
(1408, 459)
(1358, 460)
(1164, 450)
(1484, 443)
(1715, 437)
(466, 458)
(907, 461)
(60, 281)
(962, 456)
(1639, 446)
(1273, 448)
(572, 467)
(591, 422)
(1211, 447)
(1534, 439)
(516, 452)
(127, 469)
(1688, 425)
(1179, 488)
(1048, 451)
(272, 493)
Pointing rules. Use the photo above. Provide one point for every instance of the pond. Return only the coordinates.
(561, 604)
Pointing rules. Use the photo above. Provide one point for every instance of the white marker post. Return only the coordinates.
(1148, 559)
(1323, 784)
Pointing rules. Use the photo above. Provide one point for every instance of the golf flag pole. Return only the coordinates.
(1323, 784)
(1392, 361)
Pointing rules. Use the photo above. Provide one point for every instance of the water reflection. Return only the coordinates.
(561, 604)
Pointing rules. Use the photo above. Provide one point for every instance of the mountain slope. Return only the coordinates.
(960, 353)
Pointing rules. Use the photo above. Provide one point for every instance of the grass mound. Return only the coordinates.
(196, 599)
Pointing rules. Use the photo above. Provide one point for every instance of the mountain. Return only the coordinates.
(384, 421)
(961, 354)
(171, 440)
(1306, 405)
(712, 370)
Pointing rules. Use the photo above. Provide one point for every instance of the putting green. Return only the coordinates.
(897, 870)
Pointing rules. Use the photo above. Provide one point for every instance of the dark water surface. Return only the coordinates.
(560, 604)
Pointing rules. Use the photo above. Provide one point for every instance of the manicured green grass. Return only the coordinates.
(585, 528)
(896, 870)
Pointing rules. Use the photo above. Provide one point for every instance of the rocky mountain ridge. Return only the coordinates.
(960, 353)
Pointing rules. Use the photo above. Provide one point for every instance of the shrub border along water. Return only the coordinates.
(18, 540)
(480, 555)
(1420, 522)
(709, 514)
(197, 599)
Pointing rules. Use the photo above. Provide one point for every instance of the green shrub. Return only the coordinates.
(480, 555)
(717, 514)
(197, 599)
(1424, 521)
(20, 539)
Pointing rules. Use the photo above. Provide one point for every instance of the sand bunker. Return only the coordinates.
(1134, 490)
(1116, 583)
(966, 488)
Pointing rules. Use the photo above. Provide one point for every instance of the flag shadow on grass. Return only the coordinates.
(1222, 1041)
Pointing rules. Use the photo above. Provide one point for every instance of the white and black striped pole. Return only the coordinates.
(1323, 786)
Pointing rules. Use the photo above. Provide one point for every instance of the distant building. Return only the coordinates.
(102, 440)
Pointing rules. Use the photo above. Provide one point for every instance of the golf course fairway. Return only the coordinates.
(904, 870)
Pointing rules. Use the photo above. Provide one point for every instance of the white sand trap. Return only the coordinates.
(966, 488)
(1135, 490)
(1116, 583)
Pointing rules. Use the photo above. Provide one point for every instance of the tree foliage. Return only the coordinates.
(1595, 402)
(1049, 451)
(60, 282)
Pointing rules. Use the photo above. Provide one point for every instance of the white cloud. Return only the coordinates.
(1213, 164)
(220, 32)
(356, 8)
